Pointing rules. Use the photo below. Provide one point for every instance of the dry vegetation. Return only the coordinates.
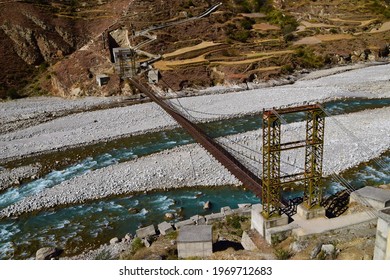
(301, 34)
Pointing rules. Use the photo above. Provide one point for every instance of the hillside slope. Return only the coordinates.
(56, 47)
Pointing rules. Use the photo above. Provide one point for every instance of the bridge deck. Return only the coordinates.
(248, 179)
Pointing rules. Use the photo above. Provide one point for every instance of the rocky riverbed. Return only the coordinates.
(350, 139)
(95, 126)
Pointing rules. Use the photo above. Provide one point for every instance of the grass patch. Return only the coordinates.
(136, 245)
(282, 254)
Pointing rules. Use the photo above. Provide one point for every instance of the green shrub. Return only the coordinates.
(241, 35)
(136, 244)
(12, 93)
(247, 23)
(282, 254)
(234, 221)
(306, 58)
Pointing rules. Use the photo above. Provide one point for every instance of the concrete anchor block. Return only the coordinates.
(180, 224)
(165, 228)
(146, 231)
(213, 218)
(198, 220)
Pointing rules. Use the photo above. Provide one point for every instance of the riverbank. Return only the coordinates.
(190, 165)
(84, 128)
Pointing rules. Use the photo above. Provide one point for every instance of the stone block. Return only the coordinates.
(244, 205)
(277, 234)
(198, 220)
(213, 218)
(308, 214)
(165, 228)
(261, 224)
(226, 211)
(242, 211)
(180, 224)
(146, 231)
(247, 243)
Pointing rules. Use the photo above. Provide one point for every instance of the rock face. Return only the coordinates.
(37, 32)
(48, 253)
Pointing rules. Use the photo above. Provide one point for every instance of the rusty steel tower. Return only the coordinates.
(272, 181)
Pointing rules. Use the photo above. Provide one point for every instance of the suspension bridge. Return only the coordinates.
(267, 188)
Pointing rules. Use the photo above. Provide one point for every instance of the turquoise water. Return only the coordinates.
(81, 227)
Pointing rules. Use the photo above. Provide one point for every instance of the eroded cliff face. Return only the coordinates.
(57, 47)
(36, 33)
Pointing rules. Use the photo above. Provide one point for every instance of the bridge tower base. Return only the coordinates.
(262, 224)
(312, 213)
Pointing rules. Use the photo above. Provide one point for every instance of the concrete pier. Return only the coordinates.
(263, 226)
(382, 240)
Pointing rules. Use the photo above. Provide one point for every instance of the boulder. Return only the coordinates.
(128, 237)
(133, 210)
(146, 242)
(114, 240)
(169, 216)
(316, 250)
(328, 249)
(298, 246)
(207, 205)
(48, 253)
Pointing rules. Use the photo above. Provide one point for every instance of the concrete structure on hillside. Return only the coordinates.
(263, 226)
(382, 240)
(195, 241)
(124, 59)
(146, 231)
(102, 79)
(153, 76)
(370, 196)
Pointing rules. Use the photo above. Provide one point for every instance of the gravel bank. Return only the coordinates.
(13, 177)
(88, 127)
(23, 113)
(190, 165)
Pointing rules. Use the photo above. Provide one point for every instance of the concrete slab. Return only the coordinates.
(261, 224)
(214, 217)
(165, 228)
(322, 225)
(371, 196)
(277, 234)
(247, 242)
(202, 233)
(195, 241)
(146, 231)
(198, 220)
(242, 211)
(308, 214)
(180, 224)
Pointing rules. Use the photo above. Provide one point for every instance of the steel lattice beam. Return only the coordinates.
(271, 164)
(272, 148)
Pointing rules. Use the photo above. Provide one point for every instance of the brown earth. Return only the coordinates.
(57, 48)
